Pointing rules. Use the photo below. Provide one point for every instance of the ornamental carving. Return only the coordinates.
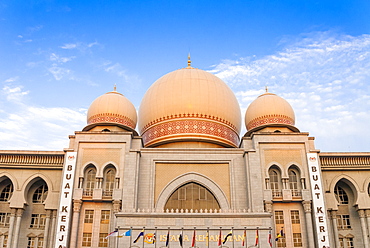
(270, 119)
(112, 118)
(191, 128)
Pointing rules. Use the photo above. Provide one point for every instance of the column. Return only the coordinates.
(75, 222)
(11, 226)
(309, 228)
(2, 240)
(80, 182)
(361, 213)
(284, 182)
(303, 183)
(334, 222)
(116, 209)
(53, 230)
(367, 213)
(18, 217)
(47, 228)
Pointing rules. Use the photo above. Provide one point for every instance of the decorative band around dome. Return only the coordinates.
(270, 119)
(112, 118)
(190, 129)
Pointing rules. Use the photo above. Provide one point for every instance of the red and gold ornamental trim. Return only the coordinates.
(111, 118)
(190, 128)
(270, 119)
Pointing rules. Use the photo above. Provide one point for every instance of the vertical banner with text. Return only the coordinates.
(65, 204)
(318, 201)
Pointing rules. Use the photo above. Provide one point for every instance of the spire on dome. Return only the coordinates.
(115, 87)
(267, 89)
(189, 61)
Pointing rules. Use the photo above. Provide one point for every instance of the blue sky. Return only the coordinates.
(58, 56)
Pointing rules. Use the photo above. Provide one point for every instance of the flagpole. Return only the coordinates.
(195, 238)
(245, 237)
(155, 237)
(207, 237)
(232, 235)
(182, 237)
(270, 237)
(130, 236)
(117, 236)
(143, 235)
(220, 237)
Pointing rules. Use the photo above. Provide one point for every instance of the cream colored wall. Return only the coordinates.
(166, 172)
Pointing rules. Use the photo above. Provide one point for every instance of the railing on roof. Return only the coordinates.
(348, 161)
(30, 159)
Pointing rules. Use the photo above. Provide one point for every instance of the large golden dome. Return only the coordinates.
(269, 110)
(189, 105)
(112, 108)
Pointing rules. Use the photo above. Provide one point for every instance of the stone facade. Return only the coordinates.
(241, 179)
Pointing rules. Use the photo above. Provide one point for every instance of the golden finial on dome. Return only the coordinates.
(267, 89)
(115, 87)
(189, 61)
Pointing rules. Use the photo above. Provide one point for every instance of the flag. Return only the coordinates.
(180, 239)
(256, 243)
(168, 238)
(244, 237)
(149, 238)
(138, 236)
(228, 235)
(207, 237)
(193, 240)
(270, 239)
(280, 234)
(219, 238)
(128, 233)
(112, 234)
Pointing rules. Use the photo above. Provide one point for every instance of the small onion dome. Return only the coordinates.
(112, 108)
(269, 110)
(189, 105)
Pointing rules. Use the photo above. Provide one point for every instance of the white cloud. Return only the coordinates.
(12, 79)
(69, 46)
(118, 70)
(79, 45)
(326, 79)
(59, 72)
(14, 94)
(57, 58)
(27, 127)
(92, 44)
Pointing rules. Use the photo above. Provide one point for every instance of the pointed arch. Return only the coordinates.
(6, 189)
(108, 165)
(192, 196)
(294, 175)
(89, 180)
(13, 179)
(350, 182)
(30, 183)
(109, 179)
(192, 178)
(275, 183)
(276, 166)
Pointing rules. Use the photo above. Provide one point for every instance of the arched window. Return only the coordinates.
(40, 194)
(192, 196)
(90, 181)
(6, 193)
(275, 183)
(109, 177)
(341, 195)
(294, 183)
